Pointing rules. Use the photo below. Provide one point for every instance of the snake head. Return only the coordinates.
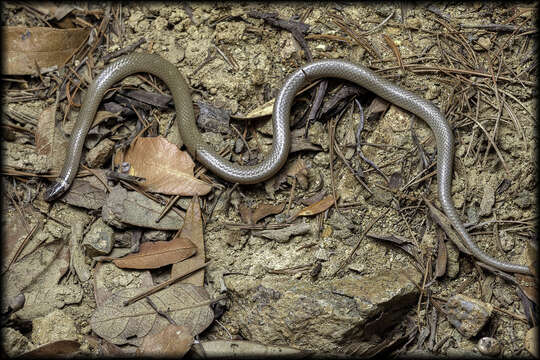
(54, 191)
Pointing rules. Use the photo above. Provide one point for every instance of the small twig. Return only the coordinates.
(360, 241)
(166, 209)
(164, 314)
(164, 284)
(21, 247)
(126, 50)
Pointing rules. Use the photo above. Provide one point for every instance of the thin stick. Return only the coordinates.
(164, 284)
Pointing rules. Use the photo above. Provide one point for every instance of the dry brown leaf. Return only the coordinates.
(153, 255)
(246, 213)
(61, 348)
(442, 258)
(174, 341)
(263, 210)
(167, 170)
(317, 207)
(24, 47)
(193, 230)
(187, 305)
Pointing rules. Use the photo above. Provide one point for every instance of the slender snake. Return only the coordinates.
(185, 118)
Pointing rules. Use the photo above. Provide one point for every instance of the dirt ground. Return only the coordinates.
(482, 76)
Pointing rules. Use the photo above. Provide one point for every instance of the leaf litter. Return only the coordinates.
(121, 324)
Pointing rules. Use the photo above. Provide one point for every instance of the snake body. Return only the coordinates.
(185, 118)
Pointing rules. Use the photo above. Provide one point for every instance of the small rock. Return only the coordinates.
(283, 312)
(472, 215)
(155, 235)
(318, 135)
(381, 197)
(468, 315)
(99, 239)
(432, 92)
(322, 159)
(507, 241)
(488, 199)
(14, 343)
(53, 327)
(484, 42)
(524, 199)
(238, 146)
(100, 153)
(489, 346)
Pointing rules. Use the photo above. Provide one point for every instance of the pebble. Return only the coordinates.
(524, 199)
(97, 156)
(53, 327)
(507, 241)
(99, 239)
(484, 42)
(467, 315)
(489, 346)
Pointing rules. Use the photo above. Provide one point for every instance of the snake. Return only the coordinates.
(276, 158)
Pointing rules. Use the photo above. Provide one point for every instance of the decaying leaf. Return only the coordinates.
(61, 348)
(26, 48)
(108, 279)
(45, 131)
(250, 216)
(317, 207)
(88, 193)
(283, 235)
(263, 210)
(193, 230)
(167, 170)
(49, 139)
(153, 255)
(124, 208)
(173, 341)
(187, 305)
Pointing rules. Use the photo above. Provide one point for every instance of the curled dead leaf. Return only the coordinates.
(167, 170)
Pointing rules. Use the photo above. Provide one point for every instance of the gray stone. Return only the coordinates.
(100, 153)
(321, 316)
(467, 315)
(14, 343)
(53, 327)
(488, 198)
(99, 239)
(524, 199)
(489, 346)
